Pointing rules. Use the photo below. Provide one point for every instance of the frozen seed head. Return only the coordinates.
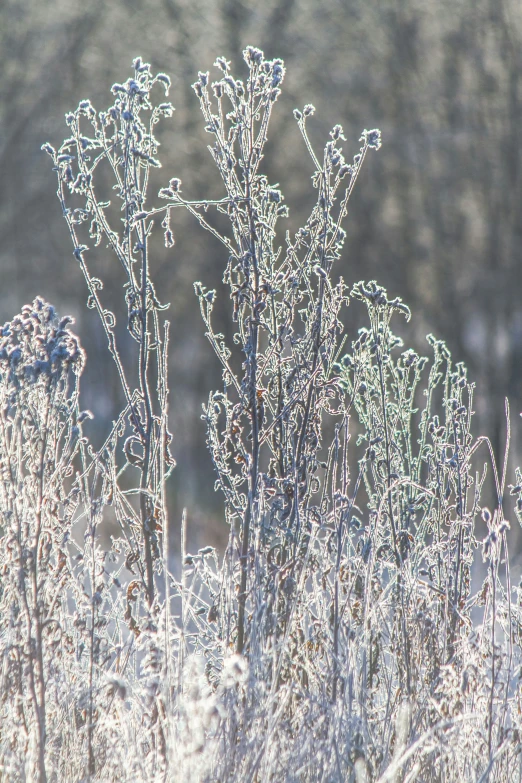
(85, 107)
(140, 66)
(235, 671)
(49, 149)
(165, 80)
(253, 56)
(37, 344)
(222, 64)
(275, 196)
(278, 73)
(167, 109)
(231, 83)
(372, 138)
(337, 133)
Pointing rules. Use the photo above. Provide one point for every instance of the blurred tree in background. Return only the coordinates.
(436, 217)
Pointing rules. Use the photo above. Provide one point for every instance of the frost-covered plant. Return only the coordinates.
(264, 427)
(68, 628)
(347, 633)
(40, 435)
(83, 635)
(119, 143)
(347, 581)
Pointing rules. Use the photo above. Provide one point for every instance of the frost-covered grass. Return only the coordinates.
(343, 635)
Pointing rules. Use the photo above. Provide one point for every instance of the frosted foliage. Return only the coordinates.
(354, 629)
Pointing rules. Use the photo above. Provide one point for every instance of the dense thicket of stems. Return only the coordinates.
(347, 633)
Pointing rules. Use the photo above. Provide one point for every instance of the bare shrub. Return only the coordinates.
(346, 634)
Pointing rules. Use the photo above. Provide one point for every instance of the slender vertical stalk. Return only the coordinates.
(252, 363)
(144, 354)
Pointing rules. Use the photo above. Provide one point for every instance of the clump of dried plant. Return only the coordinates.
(349, 632)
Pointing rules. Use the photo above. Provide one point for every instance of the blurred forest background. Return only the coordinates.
(435, 216)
